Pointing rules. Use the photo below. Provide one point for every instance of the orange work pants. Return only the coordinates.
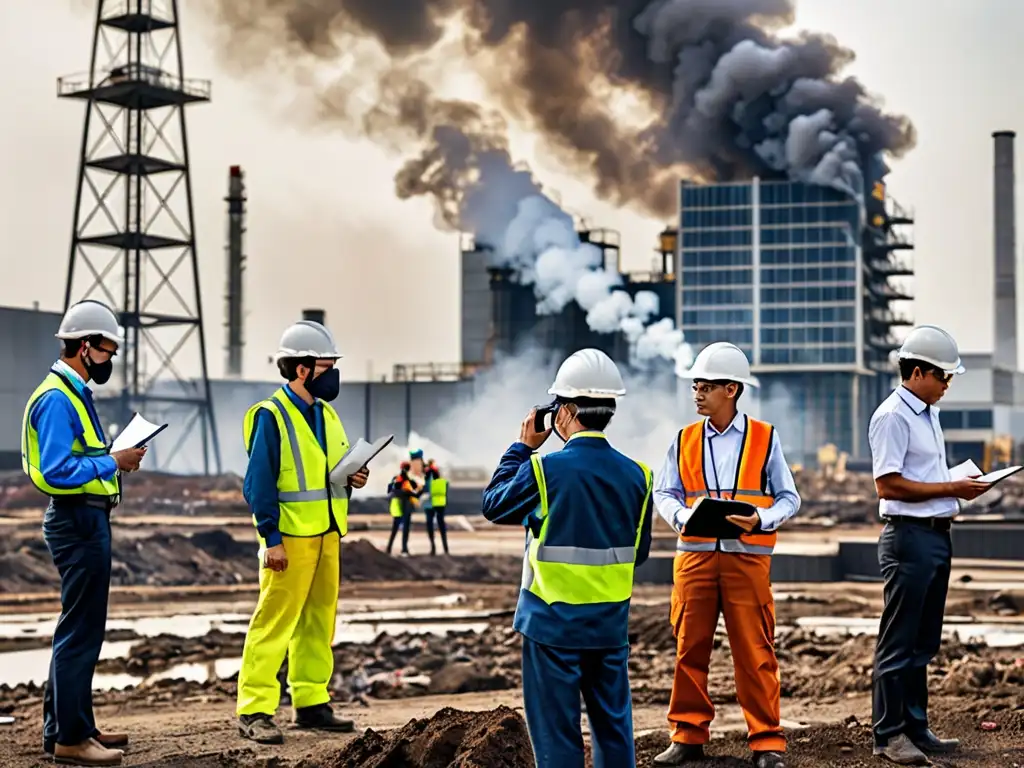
(738, 585)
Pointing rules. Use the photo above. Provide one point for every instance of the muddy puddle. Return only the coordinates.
(356, 624)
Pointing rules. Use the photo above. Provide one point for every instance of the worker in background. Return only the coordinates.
(404, 493)
(587, 511)
(918, 500)
(727, 455)
(435, 500)
(64, 453)
(293, 439)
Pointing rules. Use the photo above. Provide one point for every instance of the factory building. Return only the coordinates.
(499, 314)
(806, 280)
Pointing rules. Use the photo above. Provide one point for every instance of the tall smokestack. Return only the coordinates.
(1004, 352)
(236, 261)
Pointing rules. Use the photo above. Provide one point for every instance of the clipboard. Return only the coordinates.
(135, 434)
(708, 518)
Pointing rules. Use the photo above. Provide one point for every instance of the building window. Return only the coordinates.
(716, 238)
(704, 297)
(973, 419)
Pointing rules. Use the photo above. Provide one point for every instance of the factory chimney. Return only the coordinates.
(236, 261)
(316, 315)
(1004, 351)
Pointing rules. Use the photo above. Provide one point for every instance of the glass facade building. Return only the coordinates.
(789, 272)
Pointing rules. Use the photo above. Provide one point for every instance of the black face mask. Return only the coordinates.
(98, 372)
(326, 386)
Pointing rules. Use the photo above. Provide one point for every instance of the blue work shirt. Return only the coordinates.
(601, 492)
(55, 419)
(260, 485)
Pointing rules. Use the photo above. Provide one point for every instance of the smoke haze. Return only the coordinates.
(721, 94)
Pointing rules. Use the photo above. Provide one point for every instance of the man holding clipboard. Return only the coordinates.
(64, 453)
(294, 440)
(726, 460)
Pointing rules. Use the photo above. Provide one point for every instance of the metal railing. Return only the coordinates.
(406, 372)
(158, 11)
(132, 74)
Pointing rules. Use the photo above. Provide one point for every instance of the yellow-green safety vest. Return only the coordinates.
(577, 575)
(395, 507)
(439, 492)
(303, 492)
(89, 444)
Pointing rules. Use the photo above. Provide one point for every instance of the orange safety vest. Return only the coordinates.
(751, 484)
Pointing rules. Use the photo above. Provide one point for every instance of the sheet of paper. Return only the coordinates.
(135, 434)
(967, 469)
(6, 720)
(358, 456)
(999, 474)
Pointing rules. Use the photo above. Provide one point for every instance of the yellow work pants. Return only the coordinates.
(295, 614)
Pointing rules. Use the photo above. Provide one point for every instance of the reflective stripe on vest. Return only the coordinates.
(303, 492)
(439, 492)
(749, 485)
(90, 444)
(578, 575)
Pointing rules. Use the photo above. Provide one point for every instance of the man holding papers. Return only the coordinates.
(918, 499)
(294, 440)
(726, 455)
(64, 452)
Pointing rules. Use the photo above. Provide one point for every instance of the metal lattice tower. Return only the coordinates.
(133, 244)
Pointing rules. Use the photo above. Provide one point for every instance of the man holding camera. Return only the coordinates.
(587, 511)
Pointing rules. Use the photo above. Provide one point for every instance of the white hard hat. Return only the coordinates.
(721, 361)
(307, 338)
(931, 344)
(588, 373)
(90, 318)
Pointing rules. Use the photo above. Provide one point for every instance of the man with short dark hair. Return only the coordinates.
(725, 455)
(294, 439)
(64, 453)
(918, 500)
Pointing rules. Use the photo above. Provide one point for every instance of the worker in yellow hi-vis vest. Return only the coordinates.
(293, 438)
(435, 501)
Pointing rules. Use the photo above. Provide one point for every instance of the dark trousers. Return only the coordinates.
(915, 563)
(553, 680)
(404, 521)
(78, 537)
(441, 527)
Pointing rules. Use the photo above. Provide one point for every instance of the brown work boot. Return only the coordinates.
(112, 740)
(901, 750)
(260, 728)
(89, 752)
(108, 740)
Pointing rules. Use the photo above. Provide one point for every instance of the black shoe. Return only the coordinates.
(677, 754)
(322, 718)
(260, 728)
(768, 760)
(931, 744)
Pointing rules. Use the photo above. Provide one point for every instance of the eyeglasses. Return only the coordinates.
(705, 388)
(942, 376)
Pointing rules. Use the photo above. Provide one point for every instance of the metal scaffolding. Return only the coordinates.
(133, 242)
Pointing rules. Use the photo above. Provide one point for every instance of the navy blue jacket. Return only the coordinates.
(602, 493)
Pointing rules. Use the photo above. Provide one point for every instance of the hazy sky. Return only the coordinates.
(325, 229)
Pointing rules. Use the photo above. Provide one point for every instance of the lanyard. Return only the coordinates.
(714, 467)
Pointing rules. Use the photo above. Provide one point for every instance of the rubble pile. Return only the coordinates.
(494, 739)
(215, 558)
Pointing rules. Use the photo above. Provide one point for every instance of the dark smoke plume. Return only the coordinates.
(729, 97)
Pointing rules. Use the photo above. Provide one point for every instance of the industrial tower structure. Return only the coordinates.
(132, 243)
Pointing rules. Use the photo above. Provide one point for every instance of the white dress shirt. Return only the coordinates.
(721, 457)
(906, 438)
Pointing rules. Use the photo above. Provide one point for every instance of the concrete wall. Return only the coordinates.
(27, 349)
